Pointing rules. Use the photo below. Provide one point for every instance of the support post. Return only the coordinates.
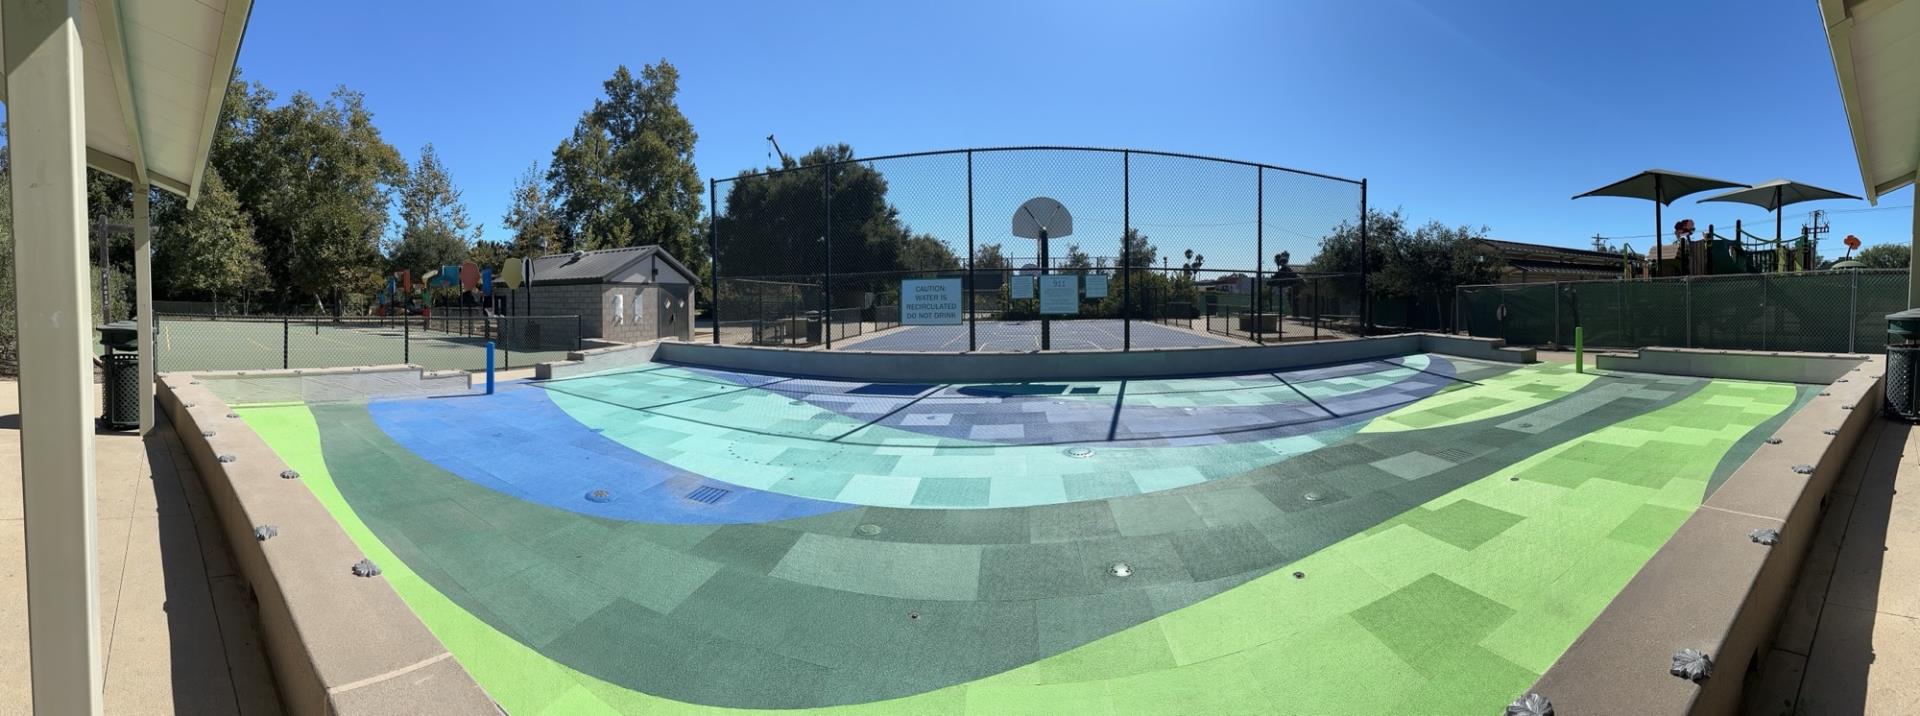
(1658, 237)
(972, 287)
(826, 283)
(1259, 249)
(47, 137)
(713, 256)
(1853, 306)
(143, 297)
(1366, 291)
(1046, 326)
(1556, 313)
(1126, 250)
(406, 341)
(489, 367)
(286, 341)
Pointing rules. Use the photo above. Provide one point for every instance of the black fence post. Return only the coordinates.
(713, 256)
(1259, 250)
(406, 341)
(826, 283)
(1366, 291)
(580, 327)
(286, 342)
(972, 285)
(1126, 250)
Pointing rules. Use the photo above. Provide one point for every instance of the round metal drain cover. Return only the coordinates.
(913, 615)
(1299, 575)
(1120, 569)
(602, 496)
(1313, 497)
(1079, 452)
(868, 529)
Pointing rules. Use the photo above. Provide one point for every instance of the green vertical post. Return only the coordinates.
(1579, 349)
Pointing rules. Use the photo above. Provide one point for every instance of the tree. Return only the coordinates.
(990, 256)
(315, 177)
(531, 217)
(625, 176)
(1076, 258)
(1136, 250)
(1886, 256)
(1427, 261)
(208, 250)
(434, 229)
(492, 254)
(776, 222)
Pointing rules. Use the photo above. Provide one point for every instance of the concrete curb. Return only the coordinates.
(1713, 587)
(338, 643)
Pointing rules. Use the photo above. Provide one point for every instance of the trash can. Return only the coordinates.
(120, 405)
(1903, 365)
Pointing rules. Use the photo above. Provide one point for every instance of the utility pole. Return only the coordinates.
(1599, 243)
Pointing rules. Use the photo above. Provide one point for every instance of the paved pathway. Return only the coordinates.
(176, 621)
(1849, 642)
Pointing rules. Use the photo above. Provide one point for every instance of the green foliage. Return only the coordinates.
(775, 222)
(492, 254)
(625, 177)
(1076, 258)
(207, 251)
(315, 178)
(1886, 256)
(1136, 250)
(531, 217)
(990, 256)
(1425, 261)
(434, 230)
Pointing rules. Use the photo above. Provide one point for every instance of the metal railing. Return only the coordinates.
(452, 342)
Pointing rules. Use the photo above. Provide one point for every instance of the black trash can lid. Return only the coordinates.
(1904, 323)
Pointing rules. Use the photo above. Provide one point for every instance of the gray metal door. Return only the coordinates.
(670, 302)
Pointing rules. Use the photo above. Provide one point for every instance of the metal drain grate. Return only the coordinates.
(708, 494)
(1454, 454)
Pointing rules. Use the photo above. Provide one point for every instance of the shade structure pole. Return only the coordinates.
(143, 296)
(46, 119)
(1658, 227)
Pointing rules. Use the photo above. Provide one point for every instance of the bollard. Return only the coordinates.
(1579, 350)
(489, 367)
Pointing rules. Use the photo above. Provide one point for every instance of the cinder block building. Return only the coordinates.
(627, 295)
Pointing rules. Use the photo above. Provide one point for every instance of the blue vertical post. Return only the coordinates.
(489, 367)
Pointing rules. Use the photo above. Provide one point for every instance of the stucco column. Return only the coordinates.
(143, 296)
(1913, 266)
(47, 137)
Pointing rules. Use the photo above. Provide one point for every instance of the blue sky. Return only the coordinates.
(1466, 112)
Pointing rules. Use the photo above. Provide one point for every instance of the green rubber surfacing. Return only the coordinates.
(1448, 602)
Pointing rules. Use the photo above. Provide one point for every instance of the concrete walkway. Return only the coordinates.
(176, 622)
(1849, 642)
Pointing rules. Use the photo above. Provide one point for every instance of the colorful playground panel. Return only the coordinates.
(1418, 535)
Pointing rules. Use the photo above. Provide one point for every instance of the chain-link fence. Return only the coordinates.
(440, 342)
(918, 252)
(1823, 311)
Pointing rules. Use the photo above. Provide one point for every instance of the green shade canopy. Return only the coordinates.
(1771, 195)
(1660, 185)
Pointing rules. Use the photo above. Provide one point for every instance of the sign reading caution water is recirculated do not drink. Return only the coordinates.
(930, 302)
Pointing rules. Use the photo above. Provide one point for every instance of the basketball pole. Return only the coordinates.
(1046, 328)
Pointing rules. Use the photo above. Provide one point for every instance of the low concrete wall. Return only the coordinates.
(594, 360)
(1813, 368)
(1075, 365)
(339, 644)
(1711, 588)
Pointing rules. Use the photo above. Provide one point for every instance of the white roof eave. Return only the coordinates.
(169, 62)
(1876, 58)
